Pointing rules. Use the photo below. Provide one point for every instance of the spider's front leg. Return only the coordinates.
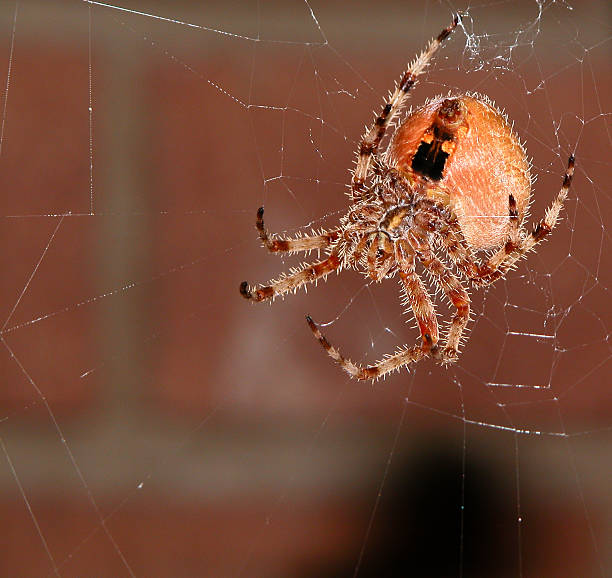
(286, 283)
(307, 274)
(368, 146)
(306, 243)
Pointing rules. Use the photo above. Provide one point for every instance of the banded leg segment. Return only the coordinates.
(306, 243)
(370, 141)
(286, 283)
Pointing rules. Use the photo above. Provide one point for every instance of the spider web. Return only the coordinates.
(153, 423)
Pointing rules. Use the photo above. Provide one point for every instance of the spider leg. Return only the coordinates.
(380, 368)
(370, 141)
(516, 248)
(455, 292)
(306, 243)
(417, 296)
(482, 274)
(286, 283)
(423, 311)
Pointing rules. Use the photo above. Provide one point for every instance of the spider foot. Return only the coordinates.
(448, 30)
(245, 291)
(273, 245)
(258, 295)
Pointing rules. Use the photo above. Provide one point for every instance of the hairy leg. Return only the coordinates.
(286, 283)
(306, 243)
(370, 141)
(453, 289)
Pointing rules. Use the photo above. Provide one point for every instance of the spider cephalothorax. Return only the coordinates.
(454, 180)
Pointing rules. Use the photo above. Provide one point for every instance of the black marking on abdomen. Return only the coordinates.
(429, 160)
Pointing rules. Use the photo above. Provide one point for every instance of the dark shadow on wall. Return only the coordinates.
(417, 527)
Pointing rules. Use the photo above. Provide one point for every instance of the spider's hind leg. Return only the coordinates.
(516, 248)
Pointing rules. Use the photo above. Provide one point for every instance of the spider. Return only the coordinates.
(454, 179)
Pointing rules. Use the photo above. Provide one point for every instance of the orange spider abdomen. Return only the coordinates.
(465, 154)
